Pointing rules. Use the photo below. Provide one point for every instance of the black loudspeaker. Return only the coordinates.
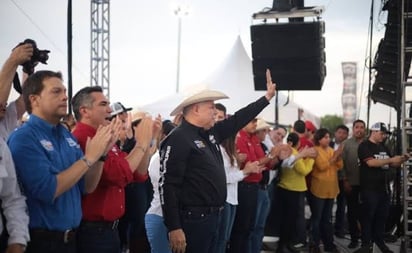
(294, 53)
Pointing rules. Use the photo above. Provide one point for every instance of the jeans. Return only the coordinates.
(375, 211)
(245, 218)
(96, 239)
(321, 221)
(262, 210)
(272, 221)
(200, 228)
(157, 234)
(225, 227)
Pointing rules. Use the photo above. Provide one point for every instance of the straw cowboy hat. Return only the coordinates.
(261, 124)
(202, 96)
(138, 115)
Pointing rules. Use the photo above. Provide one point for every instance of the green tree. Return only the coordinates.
(330, 122)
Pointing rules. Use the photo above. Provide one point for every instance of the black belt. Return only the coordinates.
(203, 209)
(49, 235)
(100, 224)
(263, 186)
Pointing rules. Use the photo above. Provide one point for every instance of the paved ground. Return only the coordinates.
(342, 243)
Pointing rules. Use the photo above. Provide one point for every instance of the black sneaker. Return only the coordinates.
(353, 244)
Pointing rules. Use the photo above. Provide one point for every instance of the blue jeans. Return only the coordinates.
(225, 227)
(96, 239)
(200, 228)
(157, 234)
(374, 212)
(272, 221)
(262, 210)
(321, 221)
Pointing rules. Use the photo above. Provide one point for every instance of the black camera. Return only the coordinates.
(38, 56)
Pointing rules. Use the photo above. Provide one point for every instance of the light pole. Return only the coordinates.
(180, 12)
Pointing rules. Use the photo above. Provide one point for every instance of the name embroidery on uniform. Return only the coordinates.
(71, 142)
(199, 144)
(47, 145)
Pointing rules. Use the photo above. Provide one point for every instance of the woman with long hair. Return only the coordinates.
(231, 160)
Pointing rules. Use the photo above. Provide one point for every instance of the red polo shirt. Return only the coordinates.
(249, 144)
(107, 202)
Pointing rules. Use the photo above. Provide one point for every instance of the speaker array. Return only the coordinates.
(294, 52)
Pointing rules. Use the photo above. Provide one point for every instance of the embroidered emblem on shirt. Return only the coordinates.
(47, 145)
(199, 144)
(72, 143)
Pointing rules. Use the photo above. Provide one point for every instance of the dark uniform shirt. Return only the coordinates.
(191, 164)
(373, 178)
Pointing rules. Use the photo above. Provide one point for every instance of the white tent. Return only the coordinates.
(234, 77)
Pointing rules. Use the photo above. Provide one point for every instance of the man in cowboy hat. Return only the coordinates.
(193, 183)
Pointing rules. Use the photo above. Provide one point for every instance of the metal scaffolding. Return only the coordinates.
(100, 45)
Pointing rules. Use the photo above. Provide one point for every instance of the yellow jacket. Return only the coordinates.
(324, 178)
(293, 179)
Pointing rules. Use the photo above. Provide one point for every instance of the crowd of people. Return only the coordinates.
(109, 180)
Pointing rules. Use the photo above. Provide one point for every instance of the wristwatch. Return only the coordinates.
(88, 163)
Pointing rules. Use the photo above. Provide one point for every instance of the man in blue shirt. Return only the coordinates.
(51, 166)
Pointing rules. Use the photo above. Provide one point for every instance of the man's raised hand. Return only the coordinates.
(270, 86)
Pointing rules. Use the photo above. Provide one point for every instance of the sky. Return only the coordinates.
(143, 44)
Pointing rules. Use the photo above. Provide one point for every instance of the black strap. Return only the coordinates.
(16, 83)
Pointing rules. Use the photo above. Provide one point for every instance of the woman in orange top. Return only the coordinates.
(323, 190)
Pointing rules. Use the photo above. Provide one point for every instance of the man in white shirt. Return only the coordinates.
(13, 203)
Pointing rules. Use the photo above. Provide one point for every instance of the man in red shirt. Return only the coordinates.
(103, 207)
(248, 143)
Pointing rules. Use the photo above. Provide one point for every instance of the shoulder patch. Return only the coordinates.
(199, 144)
(47, 145)
(71, 142)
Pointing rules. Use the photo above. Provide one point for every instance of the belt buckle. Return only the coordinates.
(66, 235)
(114, 225)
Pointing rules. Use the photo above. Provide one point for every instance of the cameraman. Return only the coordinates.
(9, 115)
(14, 215)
